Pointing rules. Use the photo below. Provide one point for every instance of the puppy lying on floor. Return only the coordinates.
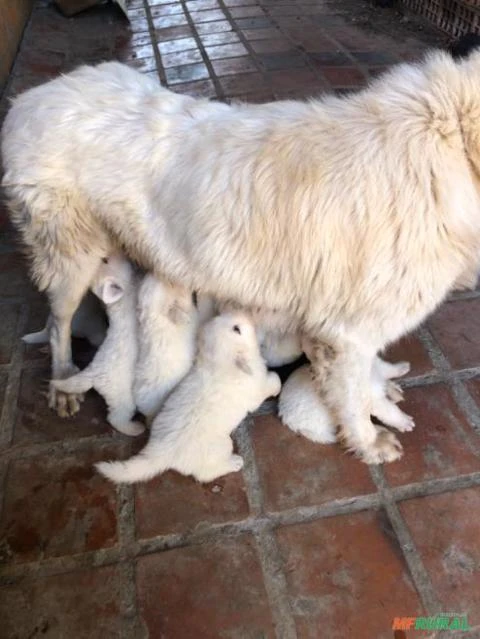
(301, 408)
(351, 217)
(191, 434)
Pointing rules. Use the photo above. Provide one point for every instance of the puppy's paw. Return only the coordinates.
(394, 392)
(385, 448)
(400, 369)
(235, 463)
(132, 429)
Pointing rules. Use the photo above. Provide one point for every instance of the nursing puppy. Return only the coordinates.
(301, 408)
(111, 371)
(167, 329)
(249, 203)
(192, 432)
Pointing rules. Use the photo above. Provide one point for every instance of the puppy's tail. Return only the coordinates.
(142, 467)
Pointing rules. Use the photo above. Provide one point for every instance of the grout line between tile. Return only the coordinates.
(153, 41)
(414, 562)
(10, 402)
(250, 470)
(275, 584)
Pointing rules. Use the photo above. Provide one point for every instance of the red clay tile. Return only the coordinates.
(166, 9)
(198, 5)
(297, 472)
(245, 83)
(291, 79)
(246, 12)
(3, 388)
(347, 577)
(207, 16)
(202, 88)
(36, 422)
(181, 57)
(187, 73)
(136, 52)
(213, 39)
(238, 3)
(411, 349)
(139, 25)
(165, 22)
(446, 529)
(176, 46)
(219, 584)
(173, 503)
(272, 45)
(219, 26)
(10, 314)
(343, 76)
(282, 60)
(254, 23)
(456, 328)
(442, 444)
(260, 96)
(14, 281)
(57, 505)
(172, 33)
(144, 65)
(261, 34)
(86, 604)
(233, 66)
(226, 51)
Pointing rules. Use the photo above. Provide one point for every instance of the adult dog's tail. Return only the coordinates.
(142, 467)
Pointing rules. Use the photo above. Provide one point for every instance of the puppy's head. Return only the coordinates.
(114, 277)
(229, 341)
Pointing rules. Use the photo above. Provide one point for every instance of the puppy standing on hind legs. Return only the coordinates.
(191, 434)
(112, 369)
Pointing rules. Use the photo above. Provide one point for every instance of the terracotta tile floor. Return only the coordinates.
(306, 542)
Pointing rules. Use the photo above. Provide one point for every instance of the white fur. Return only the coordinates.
(191, 434)
(350, 219)
(167, 328)
(278, 349)
(88, 321)
(301, 407)
(111, 371)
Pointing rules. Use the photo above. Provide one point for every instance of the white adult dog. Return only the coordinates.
(351, 218)
(191, 434)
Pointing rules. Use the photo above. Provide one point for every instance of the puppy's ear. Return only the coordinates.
(242, 363)
(109, 291)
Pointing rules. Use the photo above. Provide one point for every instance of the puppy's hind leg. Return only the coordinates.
(343, 373)
(121, 409)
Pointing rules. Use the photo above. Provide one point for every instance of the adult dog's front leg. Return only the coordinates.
(342, 375)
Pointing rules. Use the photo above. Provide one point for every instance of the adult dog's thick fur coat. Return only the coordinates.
(351, 217)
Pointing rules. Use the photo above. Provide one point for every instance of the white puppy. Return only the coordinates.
(112, 369)
(191, 434)
(302, 409)
(167, 328)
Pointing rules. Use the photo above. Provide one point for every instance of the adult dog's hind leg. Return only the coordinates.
(65, 293)
(342, 375)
